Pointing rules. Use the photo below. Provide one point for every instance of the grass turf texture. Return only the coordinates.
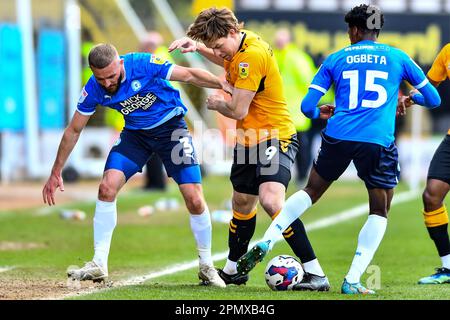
(144, 245)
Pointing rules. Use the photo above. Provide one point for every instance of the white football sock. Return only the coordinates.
(202, 229)
(105, 220)
(313, 267)
(446, 261)
(369, 239)
(230, 267)
(293, 208)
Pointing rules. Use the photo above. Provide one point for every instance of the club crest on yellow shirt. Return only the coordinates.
(243, 70)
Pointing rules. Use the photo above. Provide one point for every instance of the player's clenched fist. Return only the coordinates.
(403, 103)
(213, 101)
(326, 111)
(227, 87)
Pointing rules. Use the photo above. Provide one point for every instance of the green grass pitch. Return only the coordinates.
(142, 246)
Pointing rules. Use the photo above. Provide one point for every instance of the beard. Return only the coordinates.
(115, 88)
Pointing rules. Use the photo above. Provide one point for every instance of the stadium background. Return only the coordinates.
(42, 64)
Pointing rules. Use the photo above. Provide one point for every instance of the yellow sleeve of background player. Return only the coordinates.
(438, 71)
(250, 66)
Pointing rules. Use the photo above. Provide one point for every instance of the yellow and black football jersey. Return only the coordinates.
(440, 70)
(254, 68)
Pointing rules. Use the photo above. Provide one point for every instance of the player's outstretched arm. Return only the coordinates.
(186, 45)
(309, 104)
(427, 96)
(68, 142)
(198, 77)
(237, 108)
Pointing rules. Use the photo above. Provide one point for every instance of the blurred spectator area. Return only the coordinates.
(101, 21)
(102, 18)
(420, 28)
(420, 6)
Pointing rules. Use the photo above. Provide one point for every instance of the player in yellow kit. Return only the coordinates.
(438, 183)
(266, 137)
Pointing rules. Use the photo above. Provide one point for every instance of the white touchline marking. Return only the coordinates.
(357, 211)
(319, 224)
(6, 268)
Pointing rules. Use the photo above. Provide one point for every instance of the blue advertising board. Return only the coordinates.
(51, 79)
(12, 108)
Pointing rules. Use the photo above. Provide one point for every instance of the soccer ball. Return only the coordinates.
(283, 272)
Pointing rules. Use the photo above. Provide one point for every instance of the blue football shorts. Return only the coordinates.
(171, 141)
(376, 165)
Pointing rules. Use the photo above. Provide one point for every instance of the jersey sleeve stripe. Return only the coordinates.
(169, 72)
(422, 84)
(319, 88)
(86, 113)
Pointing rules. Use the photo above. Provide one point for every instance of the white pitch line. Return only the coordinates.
(319, 224)
(5, 269)
(357, 211)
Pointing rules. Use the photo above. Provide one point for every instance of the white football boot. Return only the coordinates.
(90, 271)
(210, 277)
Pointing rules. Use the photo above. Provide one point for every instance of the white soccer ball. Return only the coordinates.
(283, 272)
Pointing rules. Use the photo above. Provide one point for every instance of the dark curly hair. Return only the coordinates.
(367, 18)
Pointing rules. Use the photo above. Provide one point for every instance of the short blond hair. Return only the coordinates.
(102, 55)
(212, 24)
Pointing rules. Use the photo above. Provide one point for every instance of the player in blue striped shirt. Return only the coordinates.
(360, 128)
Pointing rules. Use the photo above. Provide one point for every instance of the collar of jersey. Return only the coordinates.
(244, 35)
(364, 41)
(124, 73)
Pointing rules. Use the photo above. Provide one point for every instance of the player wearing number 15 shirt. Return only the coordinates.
(360, 128)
